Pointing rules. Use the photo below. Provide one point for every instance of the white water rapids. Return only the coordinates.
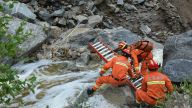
(60, 89)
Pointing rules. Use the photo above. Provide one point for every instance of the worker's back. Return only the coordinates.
(156, 85)
(120, 65)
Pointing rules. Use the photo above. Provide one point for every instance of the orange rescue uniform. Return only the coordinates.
(154, 87)
(120, 69)
(141, 56)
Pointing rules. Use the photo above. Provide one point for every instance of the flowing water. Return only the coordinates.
(58, 87)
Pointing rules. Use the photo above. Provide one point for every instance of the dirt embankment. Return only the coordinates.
(164, 17)
(184, 9)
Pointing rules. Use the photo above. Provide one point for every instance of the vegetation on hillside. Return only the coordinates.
(10, 84)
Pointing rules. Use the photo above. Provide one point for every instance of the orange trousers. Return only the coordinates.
(142, 96)
(108, 80)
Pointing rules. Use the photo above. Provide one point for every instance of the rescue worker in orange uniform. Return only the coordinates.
(120, 69)
(154, 86)
(138, 56)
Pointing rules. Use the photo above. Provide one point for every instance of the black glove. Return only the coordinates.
(100, 74)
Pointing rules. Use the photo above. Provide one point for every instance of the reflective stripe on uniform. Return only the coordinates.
(155, 82)
(122, 64)
(123, 47)
(136, 68)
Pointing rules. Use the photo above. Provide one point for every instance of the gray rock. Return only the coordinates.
(113, 36)
(69, 14)
(107, 25)
(62, 22)
(113, 8)
(81, 2)
(178, 59)
(33, 2)
(55, 32)
(77, 10)
(58, 13)
(129, 7)
(151, 3)
(73, 54)
(179, 46)
(71, 23)
(138, 1)
(98, 2)
(94, 20)
(85, 57)
(78, 2)
(179, 69)
(43, 24)
(90, 5)
(32, 42)
(82, 49)
(35, 6)
(44, 14)
(55, 21)
(120, 2)
(116, 97)
(68, 7)
(81, 18)
(77, 37)
(42, 2)
(22, 11)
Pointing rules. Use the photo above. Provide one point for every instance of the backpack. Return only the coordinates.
(144, 45)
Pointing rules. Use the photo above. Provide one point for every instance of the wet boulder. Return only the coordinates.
(94, 20)
(178, 59)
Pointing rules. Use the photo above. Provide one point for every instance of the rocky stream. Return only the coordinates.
(64, 65)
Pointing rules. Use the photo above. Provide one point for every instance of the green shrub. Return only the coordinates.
(10, 84)
(184, 87)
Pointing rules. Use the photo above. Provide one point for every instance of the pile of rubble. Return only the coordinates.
(160, 18)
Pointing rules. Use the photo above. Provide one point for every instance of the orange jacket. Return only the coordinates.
(156, 85)
(137, 55)
(120, 67)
